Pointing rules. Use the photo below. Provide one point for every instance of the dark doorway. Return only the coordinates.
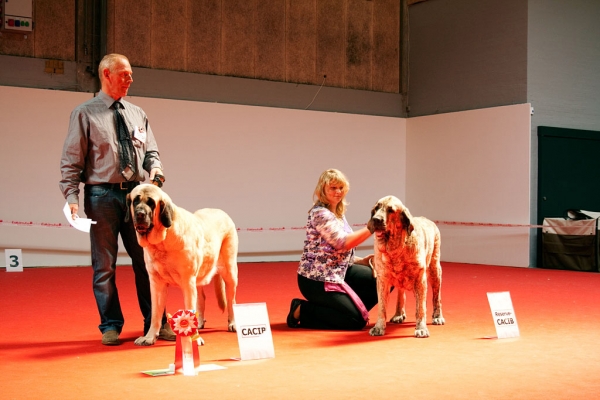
(568, 173)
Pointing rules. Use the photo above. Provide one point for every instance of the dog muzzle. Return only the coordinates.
(143, 229)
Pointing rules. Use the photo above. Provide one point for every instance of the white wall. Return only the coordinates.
(473, 167)
(259, 164)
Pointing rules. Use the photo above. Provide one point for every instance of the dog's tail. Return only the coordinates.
(220, 292)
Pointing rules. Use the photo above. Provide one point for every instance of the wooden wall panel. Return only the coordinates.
(133, 31)
(331, 42)
(300, 63)
(16, 44)
(270, 40)
(110, 26)
(204, 36)
(169, 34)
(358, 44)
(55, 29)
(238, 38)
(386, 46)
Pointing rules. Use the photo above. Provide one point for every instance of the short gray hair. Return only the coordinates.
(109, 61)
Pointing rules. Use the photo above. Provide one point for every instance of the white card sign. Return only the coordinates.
(253, 331)
(503, 314)
(14, 260)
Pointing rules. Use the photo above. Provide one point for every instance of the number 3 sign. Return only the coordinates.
(14, 260)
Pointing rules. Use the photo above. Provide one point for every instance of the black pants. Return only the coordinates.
(334, 310)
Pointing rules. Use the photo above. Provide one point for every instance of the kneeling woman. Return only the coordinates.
(339, 287)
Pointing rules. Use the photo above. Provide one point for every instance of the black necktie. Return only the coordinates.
(126, 150)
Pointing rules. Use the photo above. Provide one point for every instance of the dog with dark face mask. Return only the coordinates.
(186, 250)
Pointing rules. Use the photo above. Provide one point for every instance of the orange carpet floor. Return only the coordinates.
(50, 345)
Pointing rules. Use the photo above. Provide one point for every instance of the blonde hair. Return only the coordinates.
(328, 177)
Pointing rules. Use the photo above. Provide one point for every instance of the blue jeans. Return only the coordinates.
(107, 206)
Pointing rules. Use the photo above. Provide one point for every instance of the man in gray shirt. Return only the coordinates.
(108, 148)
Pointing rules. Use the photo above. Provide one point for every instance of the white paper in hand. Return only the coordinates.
(82, 224)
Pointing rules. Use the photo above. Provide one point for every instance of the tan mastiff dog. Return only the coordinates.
(407, 255)
(184, 249)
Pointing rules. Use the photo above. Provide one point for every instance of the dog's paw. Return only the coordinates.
(145, 340)
(231, 327)
(398, 319)
(377, 331)
(422, 333)
(438, 321)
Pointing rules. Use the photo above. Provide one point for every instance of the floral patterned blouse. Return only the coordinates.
(324, 258)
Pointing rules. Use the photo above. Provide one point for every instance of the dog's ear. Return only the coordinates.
(371, 225)
(128, 211)
(162, 218)
(374, 209)
(371, 222)
(407, 221)
(166, 214)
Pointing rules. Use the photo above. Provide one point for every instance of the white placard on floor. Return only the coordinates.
(14, 260)
(503, 314)
(253, 331)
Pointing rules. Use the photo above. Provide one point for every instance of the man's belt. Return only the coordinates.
(121, 185)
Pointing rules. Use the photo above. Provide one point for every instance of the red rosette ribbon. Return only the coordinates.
(184, 323)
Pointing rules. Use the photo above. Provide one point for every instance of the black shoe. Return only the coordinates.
(291, 321)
